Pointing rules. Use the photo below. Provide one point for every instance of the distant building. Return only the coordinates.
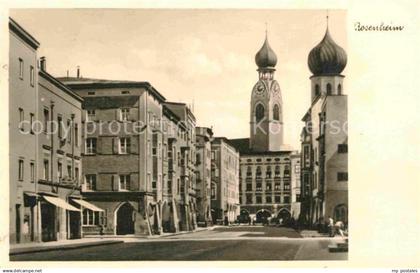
(324, 137)
(295, 175)
(224, 181)
(23, 97)
(265, 162)
(186, 201)
(204, 137)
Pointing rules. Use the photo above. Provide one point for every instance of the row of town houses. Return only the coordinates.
(93, 157)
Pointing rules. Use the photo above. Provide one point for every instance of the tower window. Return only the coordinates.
(339, 89)
(316, 90)
(329, 89)
(276, 112)
(259, 112)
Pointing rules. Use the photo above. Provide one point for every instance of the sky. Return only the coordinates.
(197, 56)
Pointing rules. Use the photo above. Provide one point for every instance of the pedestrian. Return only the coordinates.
(338, 227)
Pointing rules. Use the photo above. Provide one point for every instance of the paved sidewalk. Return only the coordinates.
(307, 233)
(60, 245)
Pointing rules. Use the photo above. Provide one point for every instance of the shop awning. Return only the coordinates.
(60, 203)
(87, 205)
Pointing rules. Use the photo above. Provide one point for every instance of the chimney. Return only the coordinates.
(78, 71)
(43, 63)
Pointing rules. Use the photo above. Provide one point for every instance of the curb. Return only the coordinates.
(34, 249)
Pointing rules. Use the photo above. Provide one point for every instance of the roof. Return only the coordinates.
(87, 83)
(59, 84)
(23, 34)
(217, 140)
(242, 145)
(106, 102)
(170, 114)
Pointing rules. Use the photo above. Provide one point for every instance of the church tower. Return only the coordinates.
(326, 61)
(266, 118)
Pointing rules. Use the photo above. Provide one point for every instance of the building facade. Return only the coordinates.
(224, 181)
(186, 205)
(60, 145)
(45, 141)
(204, 137)
(324, 137)
(23, 98)
(266, 164)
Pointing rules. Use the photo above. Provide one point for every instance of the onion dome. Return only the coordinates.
(265, 57)
(327, 58)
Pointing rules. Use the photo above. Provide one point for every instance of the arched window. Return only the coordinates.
(339, 89)
(277, 171)
(316, 90)
(276, 112)
(259, 112)
(329, 89)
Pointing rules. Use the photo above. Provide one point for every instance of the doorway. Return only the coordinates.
(125, 219)
(48, 219)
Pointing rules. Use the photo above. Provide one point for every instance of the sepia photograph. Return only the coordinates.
(178, 135)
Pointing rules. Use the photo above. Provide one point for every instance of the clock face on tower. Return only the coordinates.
(259, 88)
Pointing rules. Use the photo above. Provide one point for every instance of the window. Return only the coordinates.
(258, 172)
(249, 198)
(76, 174)
(248, 172)
(277, 186)
(46, 120)
(69, 171)
(268, 199)
(32, 75)
(90, 180)
(60, 170)
(268, 187)
(125, 182)
(213, 191)
(286, 199)
(258, 187)
(342, 176)
(20, 68)
(249, 187)
(277, 199)
(297, 168)
(277, 171)
(287, 186)
(91, 218)
(329, 89)
(276, 112)
(21, 118)
(46, 170)
(91, 115)
(32, 117)
(213, 157)
(297, 197)
(76, 134)
(20, 169)
(258, 199)
(125, 114)
(317, 93)
(339, 89)
(342, 148)
(125, 92)
(259, 112)
(268, 172)
(91, 93)
(32, 166)
(60, 126)
(91, 146)
(124, 145)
